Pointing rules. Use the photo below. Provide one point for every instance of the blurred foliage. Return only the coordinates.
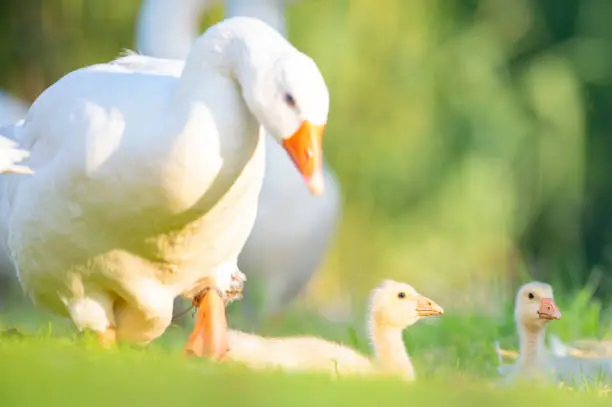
(470, 137)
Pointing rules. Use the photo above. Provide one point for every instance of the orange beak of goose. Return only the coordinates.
(548, 309)
(427, 307)
(305, 149)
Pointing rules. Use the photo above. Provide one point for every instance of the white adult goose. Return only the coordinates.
(293, 229)
(147, 175)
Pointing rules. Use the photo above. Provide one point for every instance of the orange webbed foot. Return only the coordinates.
(209, 335)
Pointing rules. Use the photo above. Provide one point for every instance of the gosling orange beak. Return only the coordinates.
(306, 151)
(426, 307)
(548, 309)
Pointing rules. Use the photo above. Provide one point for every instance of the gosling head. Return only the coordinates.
(398, 305)
(535, 306)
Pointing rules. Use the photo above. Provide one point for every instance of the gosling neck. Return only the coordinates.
(168, 28)
(531, 345)
(389, 350)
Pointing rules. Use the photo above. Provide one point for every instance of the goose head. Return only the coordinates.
(291, 101)
(399, 305)
(535, 306)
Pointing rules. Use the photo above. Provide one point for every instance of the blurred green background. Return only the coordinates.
(470, 137)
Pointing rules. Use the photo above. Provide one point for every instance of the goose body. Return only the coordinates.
(148, 174)
(293, 229)
(298, 353)
(152, 214)
(584, 348)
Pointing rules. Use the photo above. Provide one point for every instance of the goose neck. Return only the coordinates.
(389, 350)
(531, 345)
(238, 52)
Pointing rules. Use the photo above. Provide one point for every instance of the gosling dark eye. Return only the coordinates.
(530, 296)
(401, 295)
(289, 100)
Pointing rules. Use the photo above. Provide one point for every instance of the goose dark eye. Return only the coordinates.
(401, 295)
(289, 100)
(530, 296)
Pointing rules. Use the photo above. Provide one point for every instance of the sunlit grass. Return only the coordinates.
(454, 356)
(53, 372)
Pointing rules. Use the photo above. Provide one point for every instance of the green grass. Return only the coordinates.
(54, 372)
(456, 129)
(454, 357)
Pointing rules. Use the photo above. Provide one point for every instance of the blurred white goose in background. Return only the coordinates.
(12, 110)
(168, 28)
(11, 162)
(293, 229)
(147, 178)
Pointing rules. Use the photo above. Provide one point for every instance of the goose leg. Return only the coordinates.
(108, 338)
(209, 335)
